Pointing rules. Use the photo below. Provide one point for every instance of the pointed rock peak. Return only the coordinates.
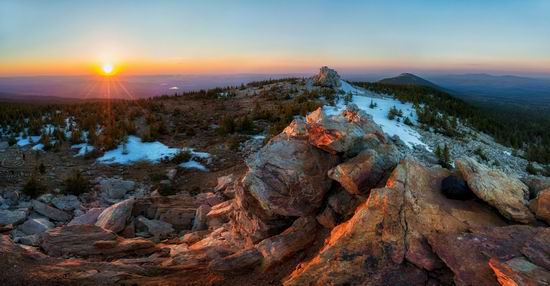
(327, 77)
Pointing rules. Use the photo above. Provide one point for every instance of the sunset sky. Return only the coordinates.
(164, 37)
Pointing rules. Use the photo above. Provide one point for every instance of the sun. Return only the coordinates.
(108, 69)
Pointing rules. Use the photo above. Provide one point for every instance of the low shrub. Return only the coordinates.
(76, 184)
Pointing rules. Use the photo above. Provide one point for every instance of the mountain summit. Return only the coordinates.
(409, 79)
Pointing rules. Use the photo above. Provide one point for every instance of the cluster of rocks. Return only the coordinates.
(392, 219)
(327, 77)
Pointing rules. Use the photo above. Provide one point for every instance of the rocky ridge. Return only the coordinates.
(379, 215)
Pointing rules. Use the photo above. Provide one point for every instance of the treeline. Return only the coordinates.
(439, 109)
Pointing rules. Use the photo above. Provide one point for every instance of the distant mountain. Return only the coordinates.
(409, 79)
(501, 90)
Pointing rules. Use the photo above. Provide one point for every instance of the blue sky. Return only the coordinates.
(57, 37)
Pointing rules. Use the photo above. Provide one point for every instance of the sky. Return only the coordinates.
(59, 37)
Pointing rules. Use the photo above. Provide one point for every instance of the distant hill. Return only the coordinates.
(409, 79)
(503, 90)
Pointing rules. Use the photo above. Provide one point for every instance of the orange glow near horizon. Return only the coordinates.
(250, 64)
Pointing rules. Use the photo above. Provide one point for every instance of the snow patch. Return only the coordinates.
(83, 149)
(192, 164)
(136, 150)
(26, 141)
(38, 147)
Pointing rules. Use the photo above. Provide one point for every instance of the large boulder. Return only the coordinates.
(250, 223)
(366, 170)
(115, 188)
(384, 243)
(50, 212)
(115, 217)
(66, 203)
(541, 205)
(468, 255)
(288, 176)
(327, 77)
(505, 193)
(36, 226)
(343, 133)
(12, 217)
(90, 240)
(90, 217)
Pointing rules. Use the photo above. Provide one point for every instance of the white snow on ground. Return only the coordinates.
(380, 113)
(26, 141)
(196, 154)
(192, 164)
(83, 148)
(258, 137)
(136, 150)
(38, 147)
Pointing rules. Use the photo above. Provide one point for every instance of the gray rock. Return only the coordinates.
(115, 188)
(159, 229)
(12, 217)
(50, 212)
(199, 223)
(327, 78)
(90, 217)
(46, 198)
(36, 226)
(171, 174)
(114, 218)
(66, 203)
(30, 240)
(505, 193)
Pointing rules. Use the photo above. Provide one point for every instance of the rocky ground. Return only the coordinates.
(331, 200)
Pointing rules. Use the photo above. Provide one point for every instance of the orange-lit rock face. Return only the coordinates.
(391, 227)
(541, 205)
(344, 133)
(519, 271)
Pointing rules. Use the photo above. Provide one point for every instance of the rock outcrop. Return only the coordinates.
(50, 212)
(505, 193)
(366, 170)
(385, 241)
(327, 78)
(89, 240)
(343, 133)
(115, 217)
(541, 205)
